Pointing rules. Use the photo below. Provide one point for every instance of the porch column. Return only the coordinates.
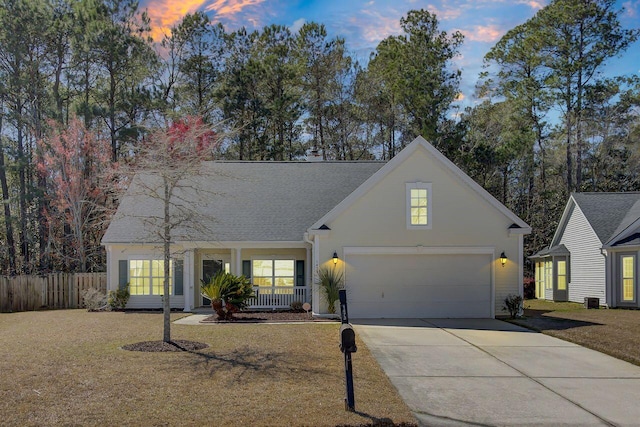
(309, 274)
(109, 275)
(237, 262)
(188, 279)
(315, 255)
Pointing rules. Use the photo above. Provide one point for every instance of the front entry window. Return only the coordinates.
(548, 267)
(628, 277)
(146, 277)
(276, 274)
(562, 275)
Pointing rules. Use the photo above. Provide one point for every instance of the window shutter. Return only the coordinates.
(123, 273)
(246, 268)
(300, 272)
(178, 276)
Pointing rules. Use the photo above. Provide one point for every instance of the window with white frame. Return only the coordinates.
(628, 276)
(146, 277)
(418, 202)
(275, 276)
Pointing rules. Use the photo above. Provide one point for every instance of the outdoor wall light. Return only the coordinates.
(503, 259)
(335, 257)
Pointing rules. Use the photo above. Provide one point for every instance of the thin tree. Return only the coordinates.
(164, 164)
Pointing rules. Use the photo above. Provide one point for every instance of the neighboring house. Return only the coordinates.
(415, 237)
(594, 252)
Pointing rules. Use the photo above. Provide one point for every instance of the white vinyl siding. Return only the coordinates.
(153, 301)
(587, 264)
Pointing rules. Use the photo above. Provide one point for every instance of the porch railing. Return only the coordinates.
(278, 296)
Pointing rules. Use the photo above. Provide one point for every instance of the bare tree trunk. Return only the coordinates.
(166, 306)
(8, 222)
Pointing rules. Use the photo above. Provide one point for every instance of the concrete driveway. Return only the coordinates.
(488, 372)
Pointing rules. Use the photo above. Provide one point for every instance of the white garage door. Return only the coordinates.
(411, 285)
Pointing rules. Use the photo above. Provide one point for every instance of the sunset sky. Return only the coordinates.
(363, 23)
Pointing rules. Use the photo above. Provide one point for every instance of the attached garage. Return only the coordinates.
(397, 283)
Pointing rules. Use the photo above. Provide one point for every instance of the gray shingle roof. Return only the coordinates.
(558, 250)
(609, 213)
(240, 201)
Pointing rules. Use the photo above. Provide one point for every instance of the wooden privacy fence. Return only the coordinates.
(56, 290)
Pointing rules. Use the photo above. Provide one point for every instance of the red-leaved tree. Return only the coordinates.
(75, 163)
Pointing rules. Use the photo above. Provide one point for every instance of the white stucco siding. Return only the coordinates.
(460, 218)
(587, 266)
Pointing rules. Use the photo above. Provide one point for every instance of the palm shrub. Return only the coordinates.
(228, 293)
(330, 282)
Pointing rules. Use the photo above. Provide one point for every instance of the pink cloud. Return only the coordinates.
(631, 9)
(166, 13)
(535, 5)
(445, 14)
(377, 26)
(483, 33)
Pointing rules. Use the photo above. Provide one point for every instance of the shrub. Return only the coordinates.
(330, 284)
(119, 298)
(513, 304)
(228, 293)
(296, 306)
(529, 286)
(94, 300)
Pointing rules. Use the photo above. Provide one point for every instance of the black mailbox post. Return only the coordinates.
(347, 346)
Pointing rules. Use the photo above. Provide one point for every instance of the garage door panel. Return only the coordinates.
(418, 285)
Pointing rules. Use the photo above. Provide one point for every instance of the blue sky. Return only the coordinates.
(364, 23)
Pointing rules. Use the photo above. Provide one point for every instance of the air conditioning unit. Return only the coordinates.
(591, 302)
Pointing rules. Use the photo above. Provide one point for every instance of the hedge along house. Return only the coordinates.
(594, 251)
(414, 237)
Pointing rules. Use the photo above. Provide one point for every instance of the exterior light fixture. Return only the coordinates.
(335, 257)
(503, 259)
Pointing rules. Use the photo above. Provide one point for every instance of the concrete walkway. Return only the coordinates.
(491, 373)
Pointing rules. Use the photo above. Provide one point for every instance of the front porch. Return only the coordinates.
(278, 297)
(280, 275)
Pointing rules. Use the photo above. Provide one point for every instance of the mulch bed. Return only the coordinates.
(267, 317)
(161, 346)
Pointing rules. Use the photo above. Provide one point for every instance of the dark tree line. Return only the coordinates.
(76, 75)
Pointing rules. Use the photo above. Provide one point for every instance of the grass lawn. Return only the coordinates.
(612, 331)
(66, 368)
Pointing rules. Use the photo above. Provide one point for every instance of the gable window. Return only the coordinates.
(628, 270)
(146, 277)
(418, 202)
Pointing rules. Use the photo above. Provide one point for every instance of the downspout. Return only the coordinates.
(608, 281)
(520, 269)
(314, 268)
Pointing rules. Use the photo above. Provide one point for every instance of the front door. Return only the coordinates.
(210, 267)
(561, 282)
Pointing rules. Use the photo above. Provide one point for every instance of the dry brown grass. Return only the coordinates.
(615, 331)
(67, 368)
